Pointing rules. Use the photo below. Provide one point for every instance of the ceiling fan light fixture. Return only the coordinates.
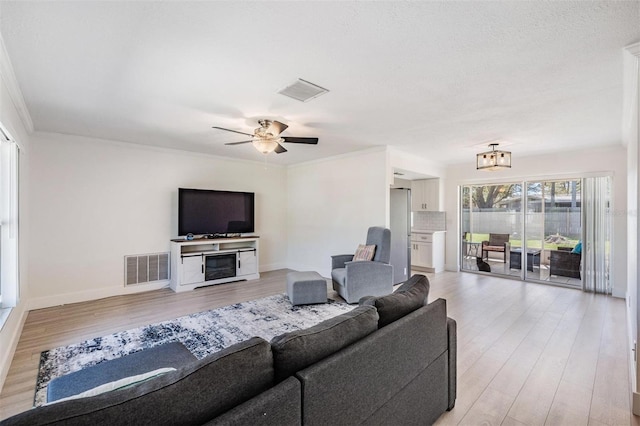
(266, 138)
(266, 146)
(494, 159)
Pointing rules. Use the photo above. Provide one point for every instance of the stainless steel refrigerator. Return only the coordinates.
(400, 217)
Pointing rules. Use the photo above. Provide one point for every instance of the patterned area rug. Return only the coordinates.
(202, 333)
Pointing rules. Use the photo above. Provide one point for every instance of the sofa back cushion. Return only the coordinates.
(194, 394)
(417, 284)
(407, 298)
(298, 349)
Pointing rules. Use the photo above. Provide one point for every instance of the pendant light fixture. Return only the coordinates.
(494, 159)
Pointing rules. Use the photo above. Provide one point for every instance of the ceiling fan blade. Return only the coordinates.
(290, 139)
(279, 149)
(237, 143)
(234, 131)
(277, 127)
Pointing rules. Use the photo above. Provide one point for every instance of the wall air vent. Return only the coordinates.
(146, 268)
(303, 90)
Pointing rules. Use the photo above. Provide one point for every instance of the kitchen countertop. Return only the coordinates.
(425, 231)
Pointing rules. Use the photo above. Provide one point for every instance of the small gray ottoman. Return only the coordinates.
(306, 287)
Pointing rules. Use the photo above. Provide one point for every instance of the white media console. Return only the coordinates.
(203, 261)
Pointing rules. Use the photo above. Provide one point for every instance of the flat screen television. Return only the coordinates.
(204, 212)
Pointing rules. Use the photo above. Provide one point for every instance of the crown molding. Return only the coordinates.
(634, 49)
(338, 156)
(11, 83)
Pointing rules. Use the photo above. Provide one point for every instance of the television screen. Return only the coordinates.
(203, 211)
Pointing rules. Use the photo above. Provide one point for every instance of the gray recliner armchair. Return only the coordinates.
(353, 280)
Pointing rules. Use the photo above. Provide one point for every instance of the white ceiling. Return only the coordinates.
(438, 79)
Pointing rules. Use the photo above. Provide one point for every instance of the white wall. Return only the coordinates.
(95, 201)
(561, 164)
(331, 205)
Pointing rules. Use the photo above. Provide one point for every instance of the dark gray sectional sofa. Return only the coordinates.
(391, 360)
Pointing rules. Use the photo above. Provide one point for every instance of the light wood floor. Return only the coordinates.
(528, 354)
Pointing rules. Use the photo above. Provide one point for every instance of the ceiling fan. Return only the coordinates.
(266, 138)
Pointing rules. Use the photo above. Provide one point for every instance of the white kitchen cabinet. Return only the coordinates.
(427, 251)
(421, 254)
(425, 195)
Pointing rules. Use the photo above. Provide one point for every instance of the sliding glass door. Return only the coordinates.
(553, 230)
(491, 225)
(537, 233)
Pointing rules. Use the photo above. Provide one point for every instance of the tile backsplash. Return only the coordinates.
(434, 221)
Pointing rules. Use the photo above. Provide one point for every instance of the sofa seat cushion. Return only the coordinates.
(339, 275)
(407, 298)
(296, 350)
(172, 354)
(193, 394)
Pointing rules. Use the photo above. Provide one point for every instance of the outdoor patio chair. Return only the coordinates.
(497, 243)
(563, 262)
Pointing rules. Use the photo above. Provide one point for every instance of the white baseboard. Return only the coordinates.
(636, 404)
(616, 292)
(451, 267)
(94, 294)
(101, 293)
(15, 330)
(272, 267)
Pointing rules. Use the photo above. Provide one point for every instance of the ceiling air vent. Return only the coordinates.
(303, 91)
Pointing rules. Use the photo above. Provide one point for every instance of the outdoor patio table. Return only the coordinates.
(515, 258)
